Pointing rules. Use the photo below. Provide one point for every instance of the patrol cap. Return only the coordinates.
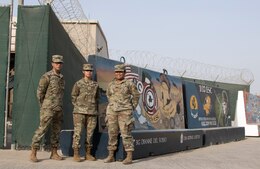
(120, 68)
(57, 59)
(88, 67)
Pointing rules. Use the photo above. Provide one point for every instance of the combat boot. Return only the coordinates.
(55, 155)
(110, 158)
(88, 155)
(128, 159)
(76, 156)
(33, 157)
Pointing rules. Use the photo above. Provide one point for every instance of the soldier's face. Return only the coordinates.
(87, 74)
(57, 66)
(119, 75)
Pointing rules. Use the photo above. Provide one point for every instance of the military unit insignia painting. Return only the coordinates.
(206, 106)
(166, 102)
(161, 102)
(252, 104)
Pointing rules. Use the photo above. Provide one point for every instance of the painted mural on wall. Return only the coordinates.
(252, 108)
(206, 106)
(161, 102)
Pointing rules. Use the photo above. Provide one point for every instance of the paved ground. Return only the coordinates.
(235, 155)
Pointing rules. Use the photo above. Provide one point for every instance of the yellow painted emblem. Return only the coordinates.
(194, 103)
(207, 105)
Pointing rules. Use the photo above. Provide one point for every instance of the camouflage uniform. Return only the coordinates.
(84, 98)
(123, 98)
(49, 93)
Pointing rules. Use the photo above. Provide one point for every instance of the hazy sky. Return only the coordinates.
(218, 32)
(215, 32)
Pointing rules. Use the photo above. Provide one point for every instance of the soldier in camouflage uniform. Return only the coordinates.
(50, 93)
(84, 98)
(123, 98)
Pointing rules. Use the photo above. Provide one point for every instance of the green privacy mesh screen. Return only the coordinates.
(39, 36)
(4, 41)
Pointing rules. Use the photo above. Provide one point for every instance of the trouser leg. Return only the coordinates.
(46, 117)
(56, 128)
(113, 131)
(78, 121)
